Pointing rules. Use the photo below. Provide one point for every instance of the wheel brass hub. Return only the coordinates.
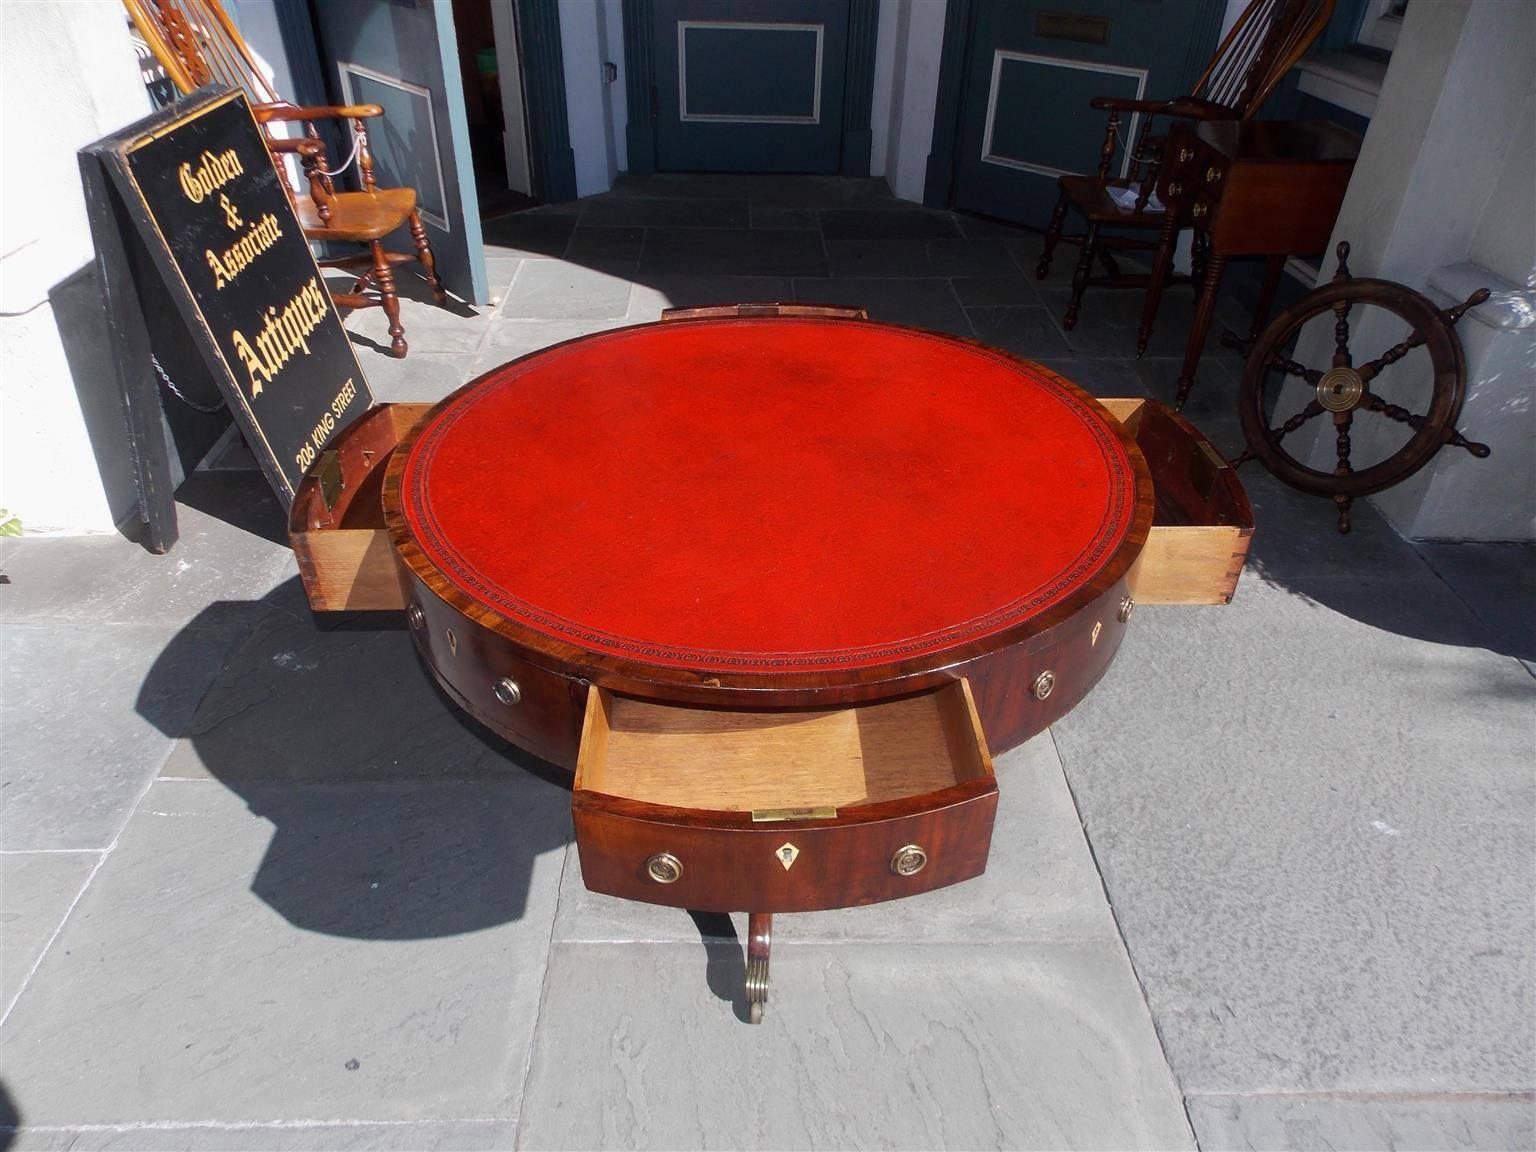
(1340, 389)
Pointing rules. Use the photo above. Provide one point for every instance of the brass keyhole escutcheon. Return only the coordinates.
(909, 861)
(1045, 683)
(453, 643)
(507, 691)
(664, 868)
(1127, 606)
(1340, 389)
(787, 854)
(1098, 626)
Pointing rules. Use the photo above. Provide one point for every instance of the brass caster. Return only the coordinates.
(759, 943)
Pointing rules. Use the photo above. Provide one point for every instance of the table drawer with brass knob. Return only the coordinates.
(789, 811)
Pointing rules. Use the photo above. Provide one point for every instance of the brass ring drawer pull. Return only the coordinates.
(1175, 189)
(1127, 606)
(909, 861)
(1186, 155)
(1045, 683)
(507, 691)
(664, 868)
(1200, 210)
(1212, 175)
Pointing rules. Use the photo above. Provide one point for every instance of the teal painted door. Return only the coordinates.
(750, 85)
(404, 58)
(1031, 72)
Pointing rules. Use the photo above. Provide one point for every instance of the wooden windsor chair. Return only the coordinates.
(196, 43)
(1266, 42)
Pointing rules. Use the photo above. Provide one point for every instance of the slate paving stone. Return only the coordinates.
(233, 548)
(1040, 885)
(90, 715)
(1102, 378)
(1328, 889)
(1024, 331)
(499, 271)
(773, 216)
(1109, 319)
(918, 257)
(896, 224)
(429, 326)
(509, 339)
(36, 890)
(293, 703)
(657, 293)
(916, 303)
(528, 234)
(1263, 1122)
(1497, 582)
(717, 251)
(1296, 536)
(422, 377)
(558, 290)
(1016, 290)
(615, 251)
(363, 952)
(665, 213)
(442, 1136)
(1040, 1046)
(981, 226)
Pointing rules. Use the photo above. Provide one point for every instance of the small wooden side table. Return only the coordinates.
(1249, 188)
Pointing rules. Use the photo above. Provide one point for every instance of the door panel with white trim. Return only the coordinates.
(749, 85)
(1033, 68)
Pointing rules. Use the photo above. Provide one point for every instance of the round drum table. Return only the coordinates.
(772, 586)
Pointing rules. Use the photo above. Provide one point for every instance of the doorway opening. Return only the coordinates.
(491, 65)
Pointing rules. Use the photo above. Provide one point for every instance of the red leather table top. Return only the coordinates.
(768, 494)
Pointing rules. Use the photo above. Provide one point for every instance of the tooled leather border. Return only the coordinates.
(1112, 528)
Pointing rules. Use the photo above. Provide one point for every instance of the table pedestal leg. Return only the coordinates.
(1215, 265)
(759, 943)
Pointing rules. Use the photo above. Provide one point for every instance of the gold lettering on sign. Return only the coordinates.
(211, 174)
(282, 334)
(239, 256)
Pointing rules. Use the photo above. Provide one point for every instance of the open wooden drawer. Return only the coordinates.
(336, 524)
(726, 811)
(1202, 523)
(1194, 554)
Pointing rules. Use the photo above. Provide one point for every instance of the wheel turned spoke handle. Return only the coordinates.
(1291, 368)
(1373, 368)
(1312, 409)
(1472, 301)
(1395, 412)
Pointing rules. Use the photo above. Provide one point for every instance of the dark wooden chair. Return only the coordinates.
(1266, 42)
(197, 44)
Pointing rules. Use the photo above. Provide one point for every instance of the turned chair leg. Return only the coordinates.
(428, 261)
(1161, 264)
(1080, 276)
(1052, 237)
(759, 944)
(384, 277)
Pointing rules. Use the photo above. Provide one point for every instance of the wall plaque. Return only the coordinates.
(196, 187)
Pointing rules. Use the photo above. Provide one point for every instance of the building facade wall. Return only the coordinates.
(67, 76)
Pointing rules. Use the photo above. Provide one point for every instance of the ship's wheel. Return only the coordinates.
(1343, 389)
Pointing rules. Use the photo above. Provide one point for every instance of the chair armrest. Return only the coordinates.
(304, 146)
(266, 113)
(1185, 107)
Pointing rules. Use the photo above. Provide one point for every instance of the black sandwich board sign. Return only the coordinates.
(194, 188)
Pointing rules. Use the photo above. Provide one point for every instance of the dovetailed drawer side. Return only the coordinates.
(336, 525)
(1203, 521)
